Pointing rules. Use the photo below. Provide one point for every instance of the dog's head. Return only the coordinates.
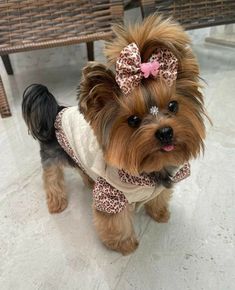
(149, 113)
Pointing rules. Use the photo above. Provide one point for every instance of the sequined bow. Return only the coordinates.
(130, 70)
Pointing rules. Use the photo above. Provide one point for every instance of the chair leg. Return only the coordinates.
(147, 7)
(7, 64)
(4, 105)
(90, 50)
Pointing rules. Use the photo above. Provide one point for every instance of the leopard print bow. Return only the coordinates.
(130, 70)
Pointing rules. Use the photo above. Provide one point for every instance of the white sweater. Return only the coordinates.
(114, 188)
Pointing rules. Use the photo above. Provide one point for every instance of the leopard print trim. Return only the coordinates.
(142, 180)
(145, 179)
(62, 139)
(183, 173)
(107, 198)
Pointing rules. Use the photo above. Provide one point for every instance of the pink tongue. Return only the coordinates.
(168, 148)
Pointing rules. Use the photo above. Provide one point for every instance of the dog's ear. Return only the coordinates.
(98, 89)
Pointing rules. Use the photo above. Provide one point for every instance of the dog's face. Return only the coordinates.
(155, 125)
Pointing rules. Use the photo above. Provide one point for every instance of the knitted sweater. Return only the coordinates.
(114, 188)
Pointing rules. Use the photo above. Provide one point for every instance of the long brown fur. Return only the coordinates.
(53, 178)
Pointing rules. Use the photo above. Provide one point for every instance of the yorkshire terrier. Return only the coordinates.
(138, 123)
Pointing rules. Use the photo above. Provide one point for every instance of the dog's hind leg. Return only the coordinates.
(53, 177)
(54, 159)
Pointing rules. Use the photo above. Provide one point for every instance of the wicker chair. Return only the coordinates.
(193, 13)
(30, 24)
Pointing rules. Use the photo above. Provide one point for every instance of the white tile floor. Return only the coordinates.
(195, 250)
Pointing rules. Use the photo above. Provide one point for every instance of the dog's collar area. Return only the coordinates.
(166, 178)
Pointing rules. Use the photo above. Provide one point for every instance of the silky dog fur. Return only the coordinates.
(132, 148)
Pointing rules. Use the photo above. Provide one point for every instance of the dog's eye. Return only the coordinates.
(173, 106)
(134, 121)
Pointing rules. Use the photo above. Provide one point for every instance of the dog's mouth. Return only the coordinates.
(168, 147)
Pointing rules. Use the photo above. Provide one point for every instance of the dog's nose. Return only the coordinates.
(164, 135)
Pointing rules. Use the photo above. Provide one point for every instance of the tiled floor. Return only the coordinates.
(195, 250)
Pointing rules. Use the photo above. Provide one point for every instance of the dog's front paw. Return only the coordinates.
(160, 216)
(125, 247)
(128, 246)
(57, 206)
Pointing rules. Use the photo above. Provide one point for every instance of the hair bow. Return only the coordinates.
(130, 71)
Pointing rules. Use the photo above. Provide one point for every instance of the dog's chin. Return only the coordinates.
(165, 156)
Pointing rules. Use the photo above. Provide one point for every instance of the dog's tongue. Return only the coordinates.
(168, 148)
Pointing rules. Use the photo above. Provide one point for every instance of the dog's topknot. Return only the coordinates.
(153, 32)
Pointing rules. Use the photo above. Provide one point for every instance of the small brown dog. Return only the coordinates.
(133, 133)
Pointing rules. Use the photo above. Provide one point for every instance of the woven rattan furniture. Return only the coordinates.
(31, 24)
(193, 13)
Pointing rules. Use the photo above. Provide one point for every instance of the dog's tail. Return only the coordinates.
(39, 109)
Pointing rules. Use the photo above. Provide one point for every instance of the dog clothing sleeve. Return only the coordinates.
(107, 198)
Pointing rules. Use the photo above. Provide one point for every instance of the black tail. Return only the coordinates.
(39, 109)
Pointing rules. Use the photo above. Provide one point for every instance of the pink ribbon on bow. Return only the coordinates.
(130, 70)
(150, 68)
